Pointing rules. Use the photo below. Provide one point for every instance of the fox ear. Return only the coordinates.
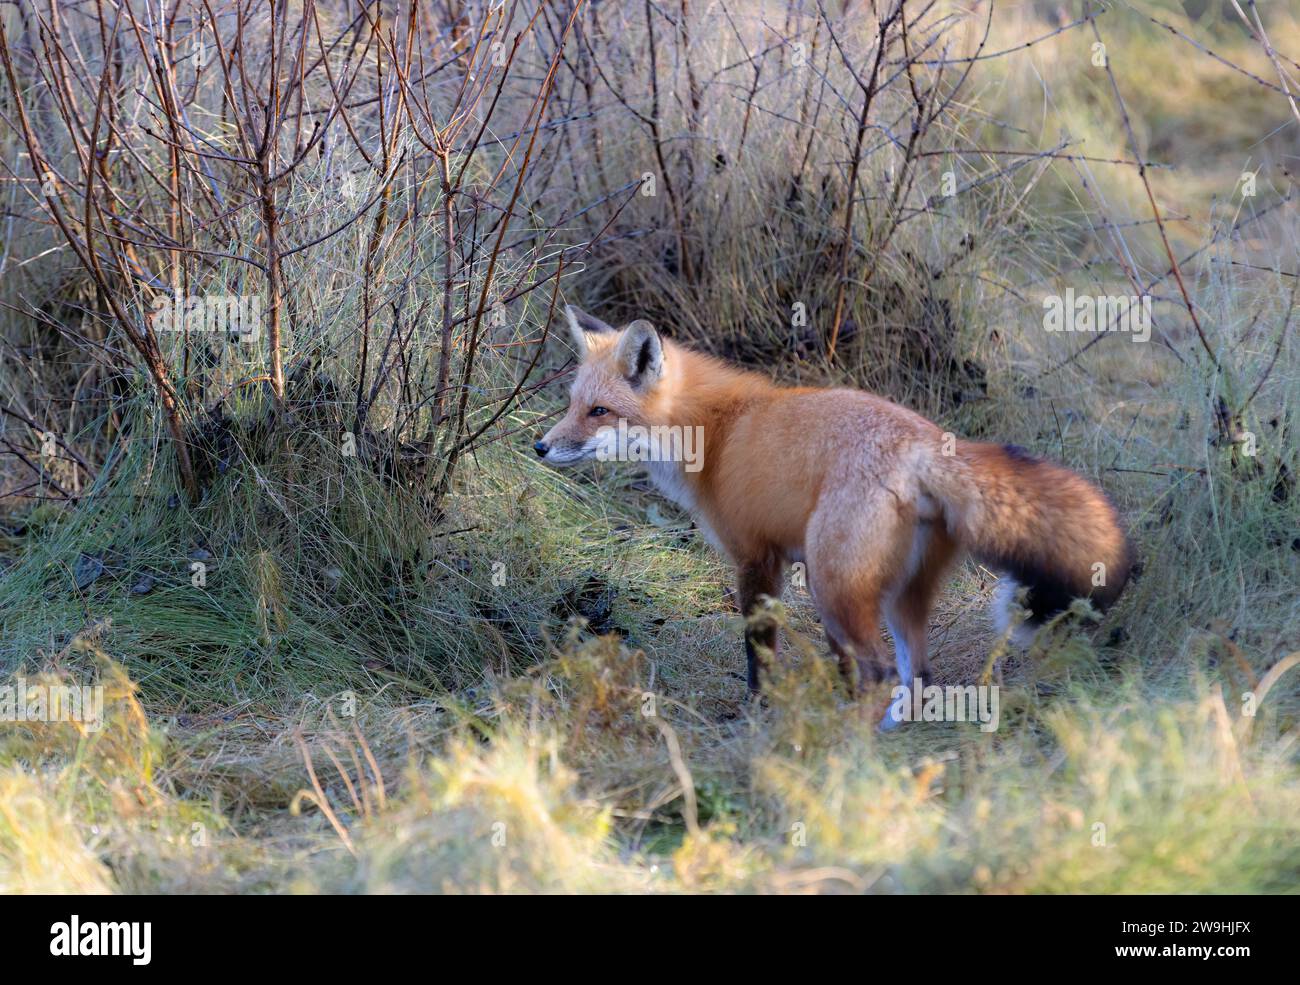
(580, 325)
(640, 356)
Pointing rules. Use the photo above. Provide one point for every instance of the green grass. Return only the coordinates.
(575, 789)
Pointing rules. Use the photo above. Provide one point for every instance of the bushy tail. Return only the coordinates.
(1042, 527)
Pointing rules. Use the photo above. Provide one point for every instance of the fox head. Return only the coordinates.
(619, 378)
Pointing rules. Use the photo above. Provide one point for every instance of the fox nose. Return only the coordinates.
(541, 447)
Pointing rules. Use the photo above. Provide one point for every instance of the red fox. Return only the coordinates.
(876, 501)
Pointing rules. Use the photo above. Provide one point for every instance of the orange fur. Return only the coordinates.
(873, 498)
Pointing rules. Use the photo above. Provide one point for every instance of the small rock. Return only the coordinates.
(592, 599)
(88, 569)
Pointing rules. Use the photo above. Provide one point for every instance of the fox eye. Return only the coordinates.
(598, 412)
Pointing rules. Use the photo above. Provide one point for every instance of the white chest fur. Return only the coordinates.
(670, 479)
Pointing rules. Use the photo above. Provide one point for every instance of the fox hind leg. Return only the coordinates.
(908, 612)
(857, 646)
(856, 559)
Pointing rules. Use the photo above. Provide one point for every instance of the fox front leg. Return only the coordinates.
(755, 580)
